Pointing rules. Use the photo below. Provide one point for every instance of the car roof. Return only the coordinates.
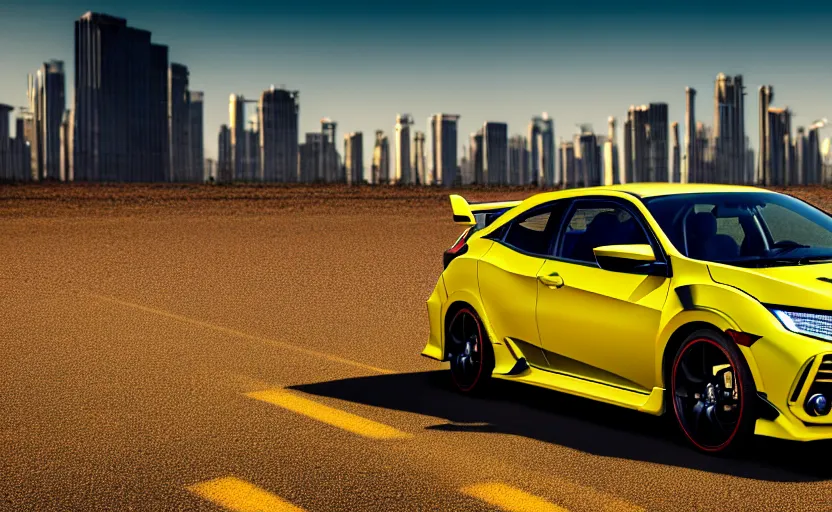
(656, 189)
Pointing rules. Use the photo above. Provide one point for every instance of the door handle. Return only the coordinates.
(553, 280)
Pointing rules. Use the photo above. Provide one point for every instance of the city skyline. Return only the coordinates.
(582, 70)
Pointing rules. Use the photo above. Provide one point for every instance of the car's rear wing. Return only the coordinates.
(479, 214)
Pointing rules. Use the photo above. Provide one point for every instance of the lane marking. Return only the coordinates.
(329, 415)
(241, 334)
(238, 495)
(510, 498)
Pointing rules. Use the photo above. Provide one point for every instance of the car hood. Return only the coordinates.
(800, 285)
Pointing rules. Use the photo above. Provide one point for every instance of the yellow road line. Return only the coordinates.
(240, 496)
(510, 498)
(331, 416)
(233, 332)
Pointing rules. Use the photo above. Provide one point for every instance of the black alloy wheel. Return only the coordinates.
(711, 392)
(469, 352)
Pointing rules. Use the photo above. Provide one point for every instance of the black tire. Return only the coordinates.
(714, 411)
(469, 352)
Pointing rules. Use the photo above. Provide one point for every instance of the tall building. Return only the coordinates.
(47, 104)
(541, 140)
(381, 159)
(637, 152)
(15, 155)
(331, 160)
(659, 148)
(237, 127)
(690, 172)
(195, 133)
(495, 153)
(444, 156)
(225, 167)
(279, 135)
(612, 169)
(766, 94)
(676, 169)
(518, 161)
(729, 128)
(419, 164)
(587, 156)
(813, 167)
(646, 158)
(251, 161)
(404, 175)
(121, 131)
(179, 123)
(800, 176)
(354, 158)
(568, 168)
(67, 143)
(310, 155)
(475, 160)
(780, 157)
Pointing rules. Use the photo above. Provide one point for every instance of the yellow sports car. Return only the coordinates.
(711, 303)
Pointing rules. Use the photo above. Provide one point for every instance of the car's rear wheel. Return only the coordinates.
(712, 391)
(469, 351)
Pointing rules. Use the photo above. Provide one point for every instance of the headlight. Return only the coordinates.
(818, 325)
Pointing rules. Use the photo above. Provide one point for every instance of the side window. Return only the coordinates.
(533, 232)
(731, 226)
(595, 226)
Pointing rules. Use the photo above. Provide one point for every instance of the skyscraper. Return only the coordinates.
(47, 104)
(197, 153)
(690, 172)
(495, 153)
(612, 170)
(419, 162)
(475, 159)
(310, 155)
(67, 143)
(541, 142)
(587, 159)
(279, 135)
(729, 128)
(676, 170)
(659, 149)
(237, 127)
(779, 146)
(354, 158)
(404, 174)
(331, 160)
(568, 169)
(381, 159)
(444, 156)
(121, 131)
(764, 156)
(518, 161)
(225, 169)
(646, 137)
(813, 163)
(179, 111)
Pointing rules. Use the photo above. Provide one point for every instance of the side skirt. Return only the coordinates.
(651, 403)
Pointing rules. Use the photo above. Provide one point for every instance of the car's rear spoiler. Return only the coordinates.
(468, 214)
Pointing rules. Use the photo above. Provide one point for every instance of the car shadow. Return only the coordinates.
(581, 424)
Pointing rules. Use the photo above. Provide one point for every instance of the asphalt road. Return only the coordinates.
(171, 361)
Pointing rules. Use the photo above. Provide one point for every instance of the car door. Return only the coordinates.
(508, 272)
(597, 323)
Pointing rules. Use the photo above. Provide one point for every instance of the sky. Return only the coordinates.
(362, 62)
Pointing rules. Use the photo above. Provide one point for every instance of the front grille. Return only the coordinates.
(822, 382)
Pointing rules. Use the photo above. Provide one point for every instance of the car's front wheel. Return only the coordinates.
(712, 392)
(469, 351)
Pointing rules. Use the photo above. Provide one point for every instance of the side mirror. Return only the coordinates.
(630, 259)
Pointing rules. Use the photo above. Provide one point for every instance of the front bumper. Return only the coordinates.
(788, 365)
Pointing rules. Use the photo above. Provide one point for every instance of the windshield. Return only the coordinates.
(750, 229)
